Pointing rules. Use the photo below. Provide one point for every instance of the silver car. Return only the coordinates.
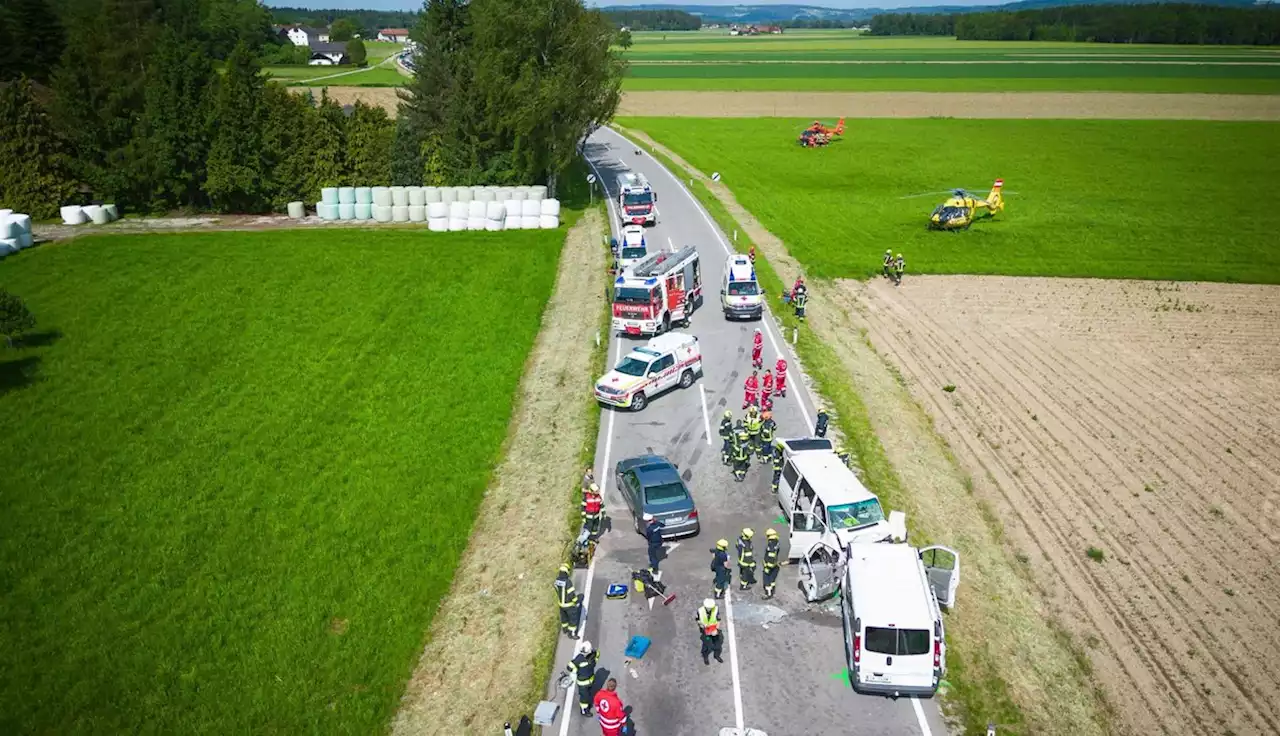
(651, 484)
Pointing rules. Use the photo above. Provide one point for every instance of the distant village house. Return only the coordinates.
(324, 53)
(395, 35)
(304, 35)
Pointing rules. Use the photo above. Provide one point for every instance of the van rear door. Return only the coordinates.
(896, 658)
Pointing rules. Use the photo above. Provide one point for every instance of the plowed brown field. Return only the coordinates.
(1139, 419)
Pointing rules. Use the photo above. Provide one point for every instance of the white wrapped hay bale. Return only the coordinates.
(97, 214)
(438, 224)
(484, 195)
(512, 222)
(26, 240)
(112, 211)
(382, 196)
(364, 210)
(347, 210)
(512, 207)
(20, 220)
(530, 208)
(519, 194)
(448, 194)
(73, 215)
(494, 226)
(458, 210)
(9, 246)
(297, 210)
(346, 195)
(417, 213)
(364, 195)
(457, 224)
(416, 198)
(538, 192)
(475, 208)
(430, 194)
(438, 211)
(400, 213)
(9, 230)
(399, 197)
(549, 222)
(327, 211)
(5, 213)
(329, 195)
(550, 207)
(381, 213)
(495, 211)
(476, 223)
(503, 193)
(462, 194)
(530, 222)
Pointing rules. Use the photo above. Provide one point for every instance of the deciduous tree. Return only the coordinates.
(356, 52)
(15, 318)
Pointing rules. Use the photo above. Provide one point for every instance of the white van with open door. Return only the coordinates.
(890, 607)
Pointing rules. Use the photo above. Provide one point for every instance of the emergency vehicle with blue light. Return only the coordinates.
(661, 291)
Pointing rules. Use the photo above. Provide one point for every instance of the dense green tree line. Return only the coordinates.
(505, 89)
(819, 23)
(146, 118)
(653, 20)
(1144, 23)
(365, 22)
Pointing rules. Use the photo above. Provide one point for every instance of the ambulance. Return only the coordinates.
(663, 363)
(661, 291)
(740, 294)
(633, 247)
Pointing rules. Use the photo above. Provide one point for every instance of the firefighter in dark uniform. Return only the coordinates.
(741, 453)
(583, 669)
(800, 299)
(754, 423)
(887, 268)
(843, 454)
(767, 428)
(746, 560)
(720, 566)
(569, 602)
(777, 464)
(770, 562)
(653, 535)
(899, 268)
(592, 510)
(820, 427)
(726, 436)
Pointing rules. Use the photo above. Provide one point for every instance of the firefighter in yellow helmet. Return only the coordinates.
(720, 566)
(771, 564)
(746, 560)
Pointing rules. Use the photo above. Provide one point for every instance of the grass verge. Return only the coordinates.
(1085, 198)
(765, 80)
(244, 479)
(978, 691)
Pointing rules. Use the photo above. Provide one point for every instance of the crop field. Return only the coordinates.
(1174, 200)
(242, 467)
(846, 61)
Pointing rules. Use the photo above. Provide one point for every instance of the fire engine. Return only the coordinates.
(637, 202)
(658, 292)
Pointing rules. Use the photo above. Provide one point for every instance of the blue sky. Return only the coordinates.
(417, 4)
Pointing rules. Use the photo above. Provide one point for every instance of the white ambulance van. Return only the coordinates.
(668, 361)
(740, 294)
(633, 248)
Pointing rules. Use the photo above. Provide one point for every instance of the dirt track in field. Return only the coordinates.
(1083, 105)
(1138, 418)
(482, 655)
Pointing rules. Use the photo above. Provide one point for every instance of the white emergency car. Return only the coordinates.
(633, 248)
(740, 294)
(664, 362)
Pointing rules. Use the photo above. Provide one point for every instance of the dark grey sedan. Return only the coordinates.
(651, 484)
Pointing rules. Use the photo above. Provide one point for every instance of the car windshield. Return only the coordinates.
(630, 295)
(900, 642)
(743, 288)
(665, 494)
(633, 367)
(853, 515)
(630, 253)
(632, 200)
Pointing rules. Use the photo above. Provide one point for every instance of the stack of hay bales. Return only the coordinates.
(98, 214)
(15, 232)
(443, 209)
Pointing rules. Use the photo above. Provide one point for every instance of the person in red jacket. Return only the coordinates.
(766, 390)
(751, 391)
(609, 709)
(780, 376)
(757, 348)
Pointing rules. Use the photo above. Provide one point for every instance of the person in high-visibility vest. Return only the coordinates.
(569, 602)
(726, 436)
(720, 566)
(777, 464)
(887, 268)
(708, 617)
(843, 454)
(741, 454)
(820, 426)
(770, 562)
(800, 299)
(751, 390)
(746, 560)
(780, 377)
(592, 510)
(766, 390)
(767, 428)
(757, 350)
(754, 423)
(610, 710)
(899, 268)
(583, 669)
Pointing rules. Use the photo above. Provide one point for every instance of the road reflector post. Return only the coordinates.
(795, 334)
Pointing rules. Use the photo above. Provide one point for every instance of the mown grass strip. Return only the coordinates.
(977, 693)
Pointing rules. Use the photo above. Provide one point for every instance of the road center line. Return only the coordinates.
(706, 418)
(733, 659)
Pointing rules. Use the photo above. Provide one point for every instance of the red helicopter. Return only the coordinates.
(819, 134)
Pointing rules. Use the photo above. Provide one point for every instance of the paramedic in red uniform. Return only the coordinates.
(780, 376)
(766, 390)
(757, 348)
(609, 709)
(751, 391)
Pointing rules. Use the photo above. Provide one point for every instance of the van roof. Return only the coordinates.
(830, 478)
(888, 586)
(668, 342)
(742, 271)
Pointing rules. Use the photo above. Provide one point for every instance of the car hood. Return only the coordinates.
(619, 381)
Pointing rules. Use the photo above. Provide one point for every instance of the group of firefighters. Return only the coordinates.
(893, 268)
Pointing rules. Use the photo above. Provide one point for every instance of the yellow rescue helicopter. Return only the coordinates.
(962, 209)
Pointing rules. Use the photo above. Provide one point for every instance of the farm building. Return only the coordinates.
(304, 35)
(328, 54)
(397, 35)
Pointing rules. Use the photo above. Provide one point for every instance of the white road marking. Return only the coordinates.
(670, 244)
(671, 546)
(920, 719)
(733, 659)
(706, 418)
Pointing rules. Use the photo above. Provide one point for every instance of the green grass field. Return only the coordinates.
(847, 61)
(376, 74)
(241, 468)
(1184, 200)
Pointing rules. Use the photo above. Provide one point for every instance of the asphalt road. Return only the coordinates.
(784, 666)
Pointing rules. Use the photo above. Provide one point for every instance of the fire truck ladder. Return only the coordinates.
(659, 263)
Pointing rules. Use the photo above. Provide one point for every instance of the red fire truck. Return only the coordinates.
(637, 202)
(658, 292)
